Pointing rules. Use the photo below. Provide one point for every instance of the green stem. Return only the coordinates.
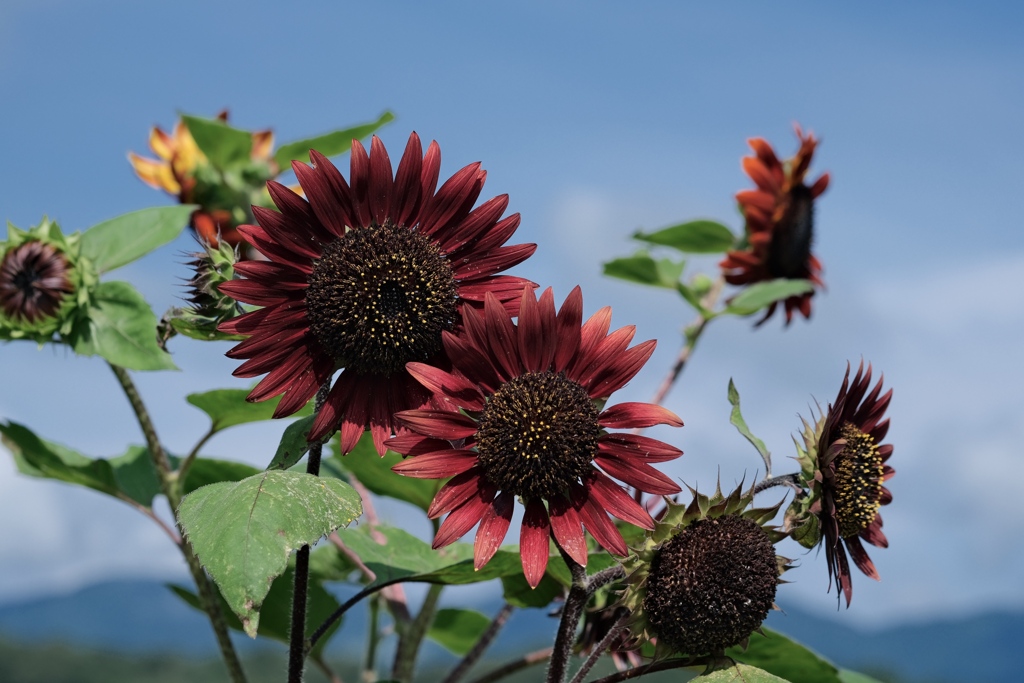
(169, 487)
(192, 455)
(412, 636)
(372, 638)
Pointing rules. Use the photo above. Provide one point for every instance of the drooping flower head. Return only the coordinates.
(704, 578)
(843, 466)
(183, 171)
(365, 276)
(533, 426)
(779, 223)
(40, 282)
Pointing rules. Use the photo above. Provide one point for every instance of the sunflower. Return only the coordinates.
(180, 171)
(843, 466)
(779, 223)
(704, 579)
(366, 276)
(533, 428)
(41, 284)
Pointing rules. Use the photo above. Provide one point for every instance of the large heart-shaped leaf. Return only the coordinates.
(121, 327)
(777, 654)
(741, 673)
(243, 532)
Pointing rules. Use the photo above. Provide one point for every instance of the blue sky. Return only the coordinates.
(596, 121)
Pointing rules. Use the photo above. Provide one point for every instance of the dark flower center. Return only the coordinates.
(790, 248)
(380, 297)
(858, 482)
(33, 281)
(711, 585)
(537, 435)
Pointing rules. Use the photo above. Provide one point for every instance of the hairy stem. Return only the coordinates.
(693, 332)
(601, 646)
(169, 486)
(297, 639)
(411, 636)
(653, 667)
(488, 636)
(516, 665)
(579, 593)
(790, 480)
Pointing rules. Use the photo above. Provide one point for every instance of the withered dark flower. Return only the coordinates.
(779, 223)
(33, 281)
(365, 276)
(533, 427)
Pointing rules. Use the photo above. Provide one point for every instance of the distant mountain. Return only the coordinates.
(145, 617)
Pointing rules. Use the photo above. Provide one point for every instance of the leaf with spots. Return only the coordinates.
(740, 673)
(243, 532)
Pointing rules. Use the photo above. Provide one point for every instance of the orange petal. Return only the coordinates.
(262, 144)
(154, 173)
(161, 143)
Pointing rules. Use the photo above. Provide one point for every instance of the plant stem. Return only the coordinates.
(372, 638)
(653, 667)
(693, 332)
(191, 457)
(527, 660)
(346, 606)
(463, 667)
(790, 480)
(169, 485)
(571, 611)
(601, 646)
(297, 639)
(411, 636)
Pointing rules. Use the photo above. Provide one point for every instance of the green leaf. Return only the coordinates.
(205, 471)
(243, 532)
(457, 630)
(694, 237)
(228, 407)
(847, 676)
(121, 327)
(222, 144)
(294, 444)
(517, 591)
(757, 296)
(121, 240)
(185, 323)
(329, 144)
(276, 612)
(403, 557)
(736, 419)
(643, 269)
(693, 299)
(777, 654)
(375, 474)
(741, 673)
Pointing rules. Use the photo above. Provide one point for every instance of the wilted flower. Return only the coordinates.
(366, 276)
(779, 223)
(705, 578)
(184, 172)
(533, 428)
(843, 463)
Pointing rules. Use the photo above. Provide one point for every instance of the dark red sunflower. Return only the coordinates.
(779, 223)
(533, 427)
(844, 467)
(365, 276)
(34, 281)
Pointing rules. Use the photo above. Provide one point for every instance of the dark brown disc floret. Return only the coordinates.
(711, 585)
(790, 247)
(538, 435)
(34, 279)
(859, 477)
(379, 297)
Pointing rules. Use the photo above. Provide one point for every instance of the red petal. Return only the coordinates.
(437, 465)
(321, 197)
(533, 542)
(636, 446)
(443, 206)
(639, 475)
(478, 265)
(568, 327)
(463, 518)
(536, 330)
(428, 175)
(637, 415)
(499, 233)
(481, 219)
(456, 492)
(616, 501)
(493, 527)
(438, 423)
(620, 370)
(380, 181)
(413, 444)
(501, 337)
(568, 529)
(460, 390)
(596, 521)
(405, 198)
(860, 558)
(601, 355)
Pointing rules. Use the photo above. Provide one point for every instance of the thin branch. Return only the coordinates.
(193, 454)
(297, 639)
(488, 636)
(346, 606)
(169, 487)
(516, 665)
(601, 646)
(411, 637)
(653, 667)
(171, 533)
(327, 671)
